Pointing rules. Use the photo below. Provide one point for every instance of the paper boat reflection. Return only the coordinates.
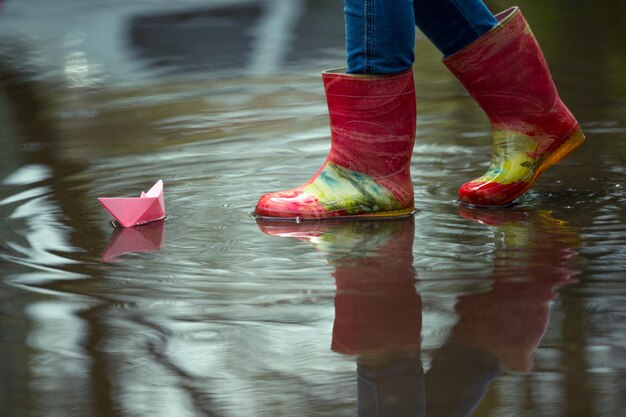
(147, 238)
(133, 211)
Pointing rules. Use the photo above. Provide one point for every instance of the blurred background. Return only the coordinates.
(211, 314)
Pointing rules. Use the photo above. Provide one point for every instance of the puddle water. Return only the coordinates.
(453, 312)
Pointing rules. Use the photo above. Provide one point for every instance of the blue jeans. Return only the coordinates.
(380, 34)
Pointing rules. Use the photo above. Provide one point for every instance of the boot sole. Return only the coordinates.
(392, 214)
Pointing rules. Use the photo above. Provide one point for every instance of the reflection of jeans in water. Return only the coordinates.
(395, 390)
(453, 387)
(380, 34)
(458, 379)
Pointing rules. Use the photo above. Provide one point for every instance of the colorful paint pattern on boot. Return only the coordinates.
(517, 161)
(335, 191)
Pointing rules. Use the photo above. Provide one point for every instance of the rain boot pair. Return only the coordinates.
(372, 119)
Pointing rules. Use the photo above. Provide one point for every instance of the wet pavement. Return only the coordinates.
(454, 312)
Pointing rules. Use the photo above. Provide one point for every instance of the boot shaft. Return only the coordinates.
(507, 74)
(372, 121)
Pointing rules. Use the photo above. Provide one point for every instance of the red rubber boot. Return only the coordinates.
(506, 72)
(367, 173)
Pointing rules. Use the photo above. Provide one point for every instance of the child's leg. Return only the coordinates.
(380, 36)
(452, 24)
(372, 120)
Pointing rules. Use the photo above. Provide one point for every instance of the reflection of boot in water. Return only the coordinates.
(530, 245)
(376, 299)
(356, 239)
(533, 256)
(502, 327)
(377, 309)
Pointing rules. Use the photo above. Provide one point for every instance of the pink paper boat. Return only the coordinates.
(147, 238)
(133, 211)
